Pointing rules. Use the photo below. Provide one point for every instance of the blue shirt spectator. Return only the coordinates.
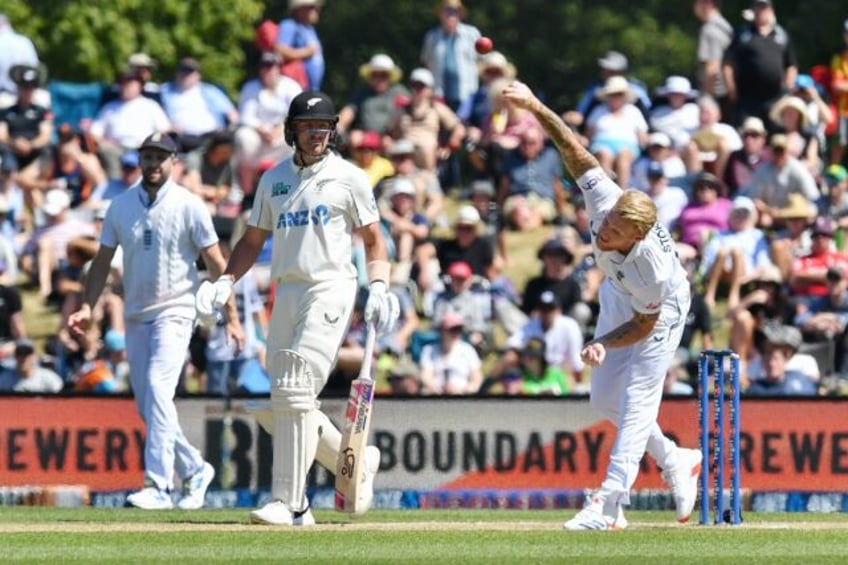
(297, 38)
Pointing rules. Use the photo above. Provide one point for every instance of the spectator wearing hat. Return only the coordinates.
(826, 317)
(530, 190)
(448, 51)
(791, 116)
(782, 342)
(538, 378)
(28, 375)
(209, 173)
(298, 40)
(819, 112)
(616, 129)
(408, 228)
(450, 366)
(103, 194)
(46, 249)
(404, 378)
(557, 276)
(560, 333)
(735, 254)
(373, 104)
(436, 256)
(670, 199)
(659, 150)
(793, 239)
(481, 195)
(425, 121)
(429, 199)
(263, 106)
(144, 65)
(809, 273)
(678, 117)
(839, 88)
(772, 183)
(613, 63)
(195, 108)
(366, 154)
(744, 162)
(833, 203)
(712, 142)
(15, 49)
(26, 128)
(123, 124)
(714, 36)
(759, 64)
(475, 109)
(705, 215)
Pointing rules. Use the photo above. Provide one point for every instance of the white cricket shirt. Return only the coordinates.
(161, 241)
(312, 212)
(651, 272)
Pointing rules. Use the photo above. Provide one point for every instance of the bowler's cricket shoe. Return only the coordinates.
(366, 492)
(683, 482)
(592, 517)
(151, 498)
(194, 488)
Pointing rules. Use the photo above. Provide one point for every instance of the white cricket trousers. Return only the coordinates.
(627, 389)
(156, 352)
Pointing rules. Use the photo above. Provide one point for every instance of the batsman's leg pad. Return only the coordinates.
(295, 435)
(329, 442)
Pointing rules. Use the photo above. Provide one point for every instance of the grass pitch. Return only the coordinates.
(87, 535)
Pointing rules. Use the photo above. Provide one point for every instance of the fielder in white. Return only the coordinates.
(644, 301)
(161, 228)
(311, 203)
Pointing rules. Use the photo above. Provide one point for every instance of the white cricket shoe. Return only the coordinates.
(304, 518)
(592, 517)
(151, 498)
(275, 513)
(194, 488)
(683, 482)
(366, 493)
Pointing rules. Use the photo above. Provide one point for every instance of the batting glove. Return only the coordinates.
(212, 296)
(382, 308)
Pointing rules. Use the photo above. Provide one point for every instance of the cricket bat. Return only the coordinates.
(355, 433)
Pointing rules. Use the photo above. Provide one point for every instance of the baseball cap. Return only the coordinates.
(483, 187)
(555, 246)
(188, 65)
(548, 300)
(534, 347)
(753, 124)
(403, 186)
(804, 81)
(744, 203)
(451, 320)
(822, 226)
(161, 141)
(835, 174)
(779, 140)
(370, 140)
(24, 346)
(422, 75)
(467, 216)
(659, 138)
(459, 270)
(782, 335)
(56, 201)
(613, 61)
(141, 60)
(129, 159)
(760, 2)
(655, 169)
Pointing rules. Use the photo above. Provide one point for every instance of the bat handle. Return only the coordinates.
(368, 354)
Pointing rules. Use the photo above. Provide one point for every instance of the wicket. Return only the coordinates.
(716, 463)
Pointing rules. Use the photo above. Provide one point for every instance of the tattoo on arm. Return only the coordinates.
(633, 330)
(577, 158)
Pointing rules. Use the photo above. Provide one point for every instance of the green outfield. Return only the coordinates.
(48, 535)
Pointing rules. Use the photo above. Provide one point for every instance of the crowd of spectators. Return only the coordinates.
(744, 161)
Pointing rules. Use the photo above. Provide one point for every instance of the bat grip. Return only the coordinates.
(368, 354)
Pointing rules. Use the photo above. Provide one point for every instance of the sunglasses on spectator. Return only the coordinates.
(455, 330)
(417, 85)
(380, 75)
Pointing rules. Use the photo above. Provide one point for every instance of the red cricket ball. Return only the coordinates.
(483, 45)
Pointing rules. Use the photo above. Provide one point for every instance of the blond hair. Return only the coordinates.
(637, 208)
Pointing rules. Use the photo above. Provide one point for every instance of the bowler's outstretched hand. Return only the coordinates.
(594, 354)
(519, 94)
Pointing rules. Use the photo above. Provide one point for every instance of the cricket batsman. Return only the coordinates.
(311, 204)
(644, 300)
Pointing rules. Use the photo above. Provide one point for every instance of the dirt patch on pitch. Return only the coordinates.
(162, 527)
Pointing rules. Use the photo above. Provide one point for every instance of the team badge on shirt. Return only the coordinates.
(280, 188)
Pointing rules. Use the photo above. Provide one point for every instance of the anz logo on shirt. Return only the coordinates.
(319, 215)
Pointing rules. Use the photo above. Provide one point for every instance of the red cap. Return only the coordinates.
(459, 270)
